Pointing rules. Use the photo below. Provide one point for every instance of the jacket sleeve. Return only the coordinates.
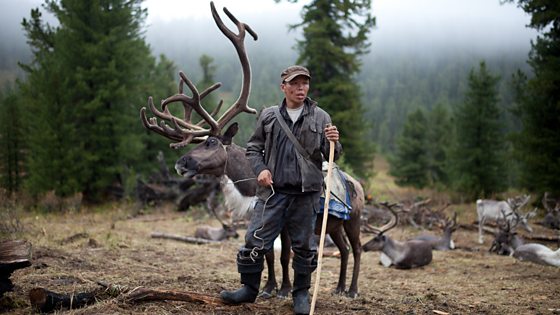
(255, 147)
(325, 146)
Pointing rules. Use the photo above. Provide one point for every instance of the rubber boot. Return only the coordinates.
(247, 293)
(300, 294)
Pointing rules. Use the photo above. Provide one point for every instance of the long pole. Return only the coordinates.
(323, 227)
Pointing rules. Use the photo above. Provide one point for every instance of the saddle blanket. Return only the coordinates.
(339, 190)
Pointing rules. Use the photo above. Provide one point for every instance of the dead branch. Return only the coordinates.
(187, 239)
(46, 301)
(144, 294)
(533, 237)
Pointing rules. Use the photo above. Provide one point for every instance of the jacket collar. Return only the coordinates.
(308, 105)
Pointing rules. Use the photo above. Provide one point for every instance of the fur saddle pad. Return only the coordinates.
(339, 202)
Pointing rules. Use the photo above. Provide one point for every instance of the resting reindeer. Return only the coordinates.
(506, 239)
(215, 233)
(552, 218)
(444, 242)
(402, 255)
(538, 254)
(492, 209)
(217, 155)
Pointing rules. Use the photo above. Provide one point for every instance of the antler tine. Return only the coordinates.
(194, 102)
(394, 217)
(366, 227)
(454, 220)
(182, 130)
(241, 104)
(152, 124)
(213, 113)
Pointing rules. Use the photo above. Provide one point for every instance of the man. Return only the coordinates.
(290, 184)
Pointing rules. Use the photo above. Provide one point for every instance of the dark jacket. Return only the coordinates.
(269, 148)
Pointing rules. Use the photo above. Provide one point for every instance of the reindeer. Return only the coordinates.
(444, 242)
(552, 218)
(216, 233)
(506, 239)
(538, 254)
(216, 154)
(492, 209)
(402, 255)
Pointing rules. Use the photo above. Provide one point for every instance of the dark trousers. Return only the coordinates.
(297, 212)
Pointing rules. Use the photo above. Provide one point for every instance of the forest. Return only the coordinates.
(443, 144)
(70, 120)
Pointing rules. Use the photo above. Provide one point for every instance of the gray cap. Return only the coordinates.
(293, 71)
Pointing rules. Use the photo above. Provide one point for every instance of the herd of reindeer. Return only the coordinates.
(216, 154)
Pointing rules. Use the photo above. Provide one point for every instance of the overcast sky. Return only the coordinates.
(402, 25)
(482, 22)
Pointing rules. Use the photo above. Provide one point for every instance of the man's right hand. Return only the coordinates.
(265, 178)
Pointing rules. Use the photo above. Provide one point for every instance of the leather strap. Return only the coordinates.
(289, 133)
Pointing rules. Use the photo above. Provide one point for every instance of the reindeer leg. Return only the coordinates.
(480, 225)
(286, 287)
(271, 284)
(352, 229)
(338, 239)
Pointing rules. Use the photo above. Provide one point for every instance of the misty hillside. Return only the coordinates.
(408, 66)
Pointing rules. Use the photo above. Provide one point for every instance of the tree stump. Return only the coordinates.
(14, 254)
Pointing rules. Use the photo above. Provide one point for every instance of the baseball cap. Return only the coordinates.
(293, 71)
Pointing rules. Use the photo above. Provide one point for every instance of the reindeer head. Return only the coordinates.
(378, 242)
(506, 238)
(522, 220)
(552, 218)
(208, 156)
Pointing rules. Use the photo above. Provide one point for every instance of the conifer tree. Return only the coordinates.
(439, 137)
(537, 145)
(410, 165)
(85, 85)
(335, 36)
(12, 142)
(478, 155)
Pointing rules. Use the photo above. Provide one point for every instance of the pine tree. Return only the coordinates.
(410, 165)
(335, 36)
(85, 84)
(479, 145)
(537, 145)
(439, 135)
(12, 141)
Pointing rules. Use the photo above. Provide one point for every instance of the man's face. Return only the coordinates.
(296, 90)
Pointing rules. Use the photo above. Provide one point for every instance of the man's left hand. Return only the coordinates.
(331, 133)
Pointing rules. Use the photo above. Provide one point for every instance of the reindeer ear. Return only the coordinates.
(227, 138)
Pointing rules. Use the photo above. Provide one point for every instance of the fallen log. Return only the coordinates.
(46, 301)
(142, 294)
(14, 254)
(187, 239)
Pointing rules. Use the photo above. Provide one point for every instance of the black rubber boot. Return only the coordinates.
(247, 293)
(300, 294)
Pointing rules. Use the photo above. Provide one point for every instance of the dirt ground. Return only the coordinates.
(116, 248)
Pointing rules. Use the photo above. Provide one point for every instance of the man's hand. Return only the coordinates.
(331, 133)
(265, 178)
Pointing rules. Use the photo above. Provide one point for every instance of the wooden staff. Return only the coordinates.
(324, 226)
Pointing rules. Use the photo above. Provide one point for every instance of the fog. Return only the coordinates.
(184, 29)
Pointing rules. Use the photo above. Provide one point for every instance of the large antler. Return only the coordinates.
(391, 224)
(183, 130)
